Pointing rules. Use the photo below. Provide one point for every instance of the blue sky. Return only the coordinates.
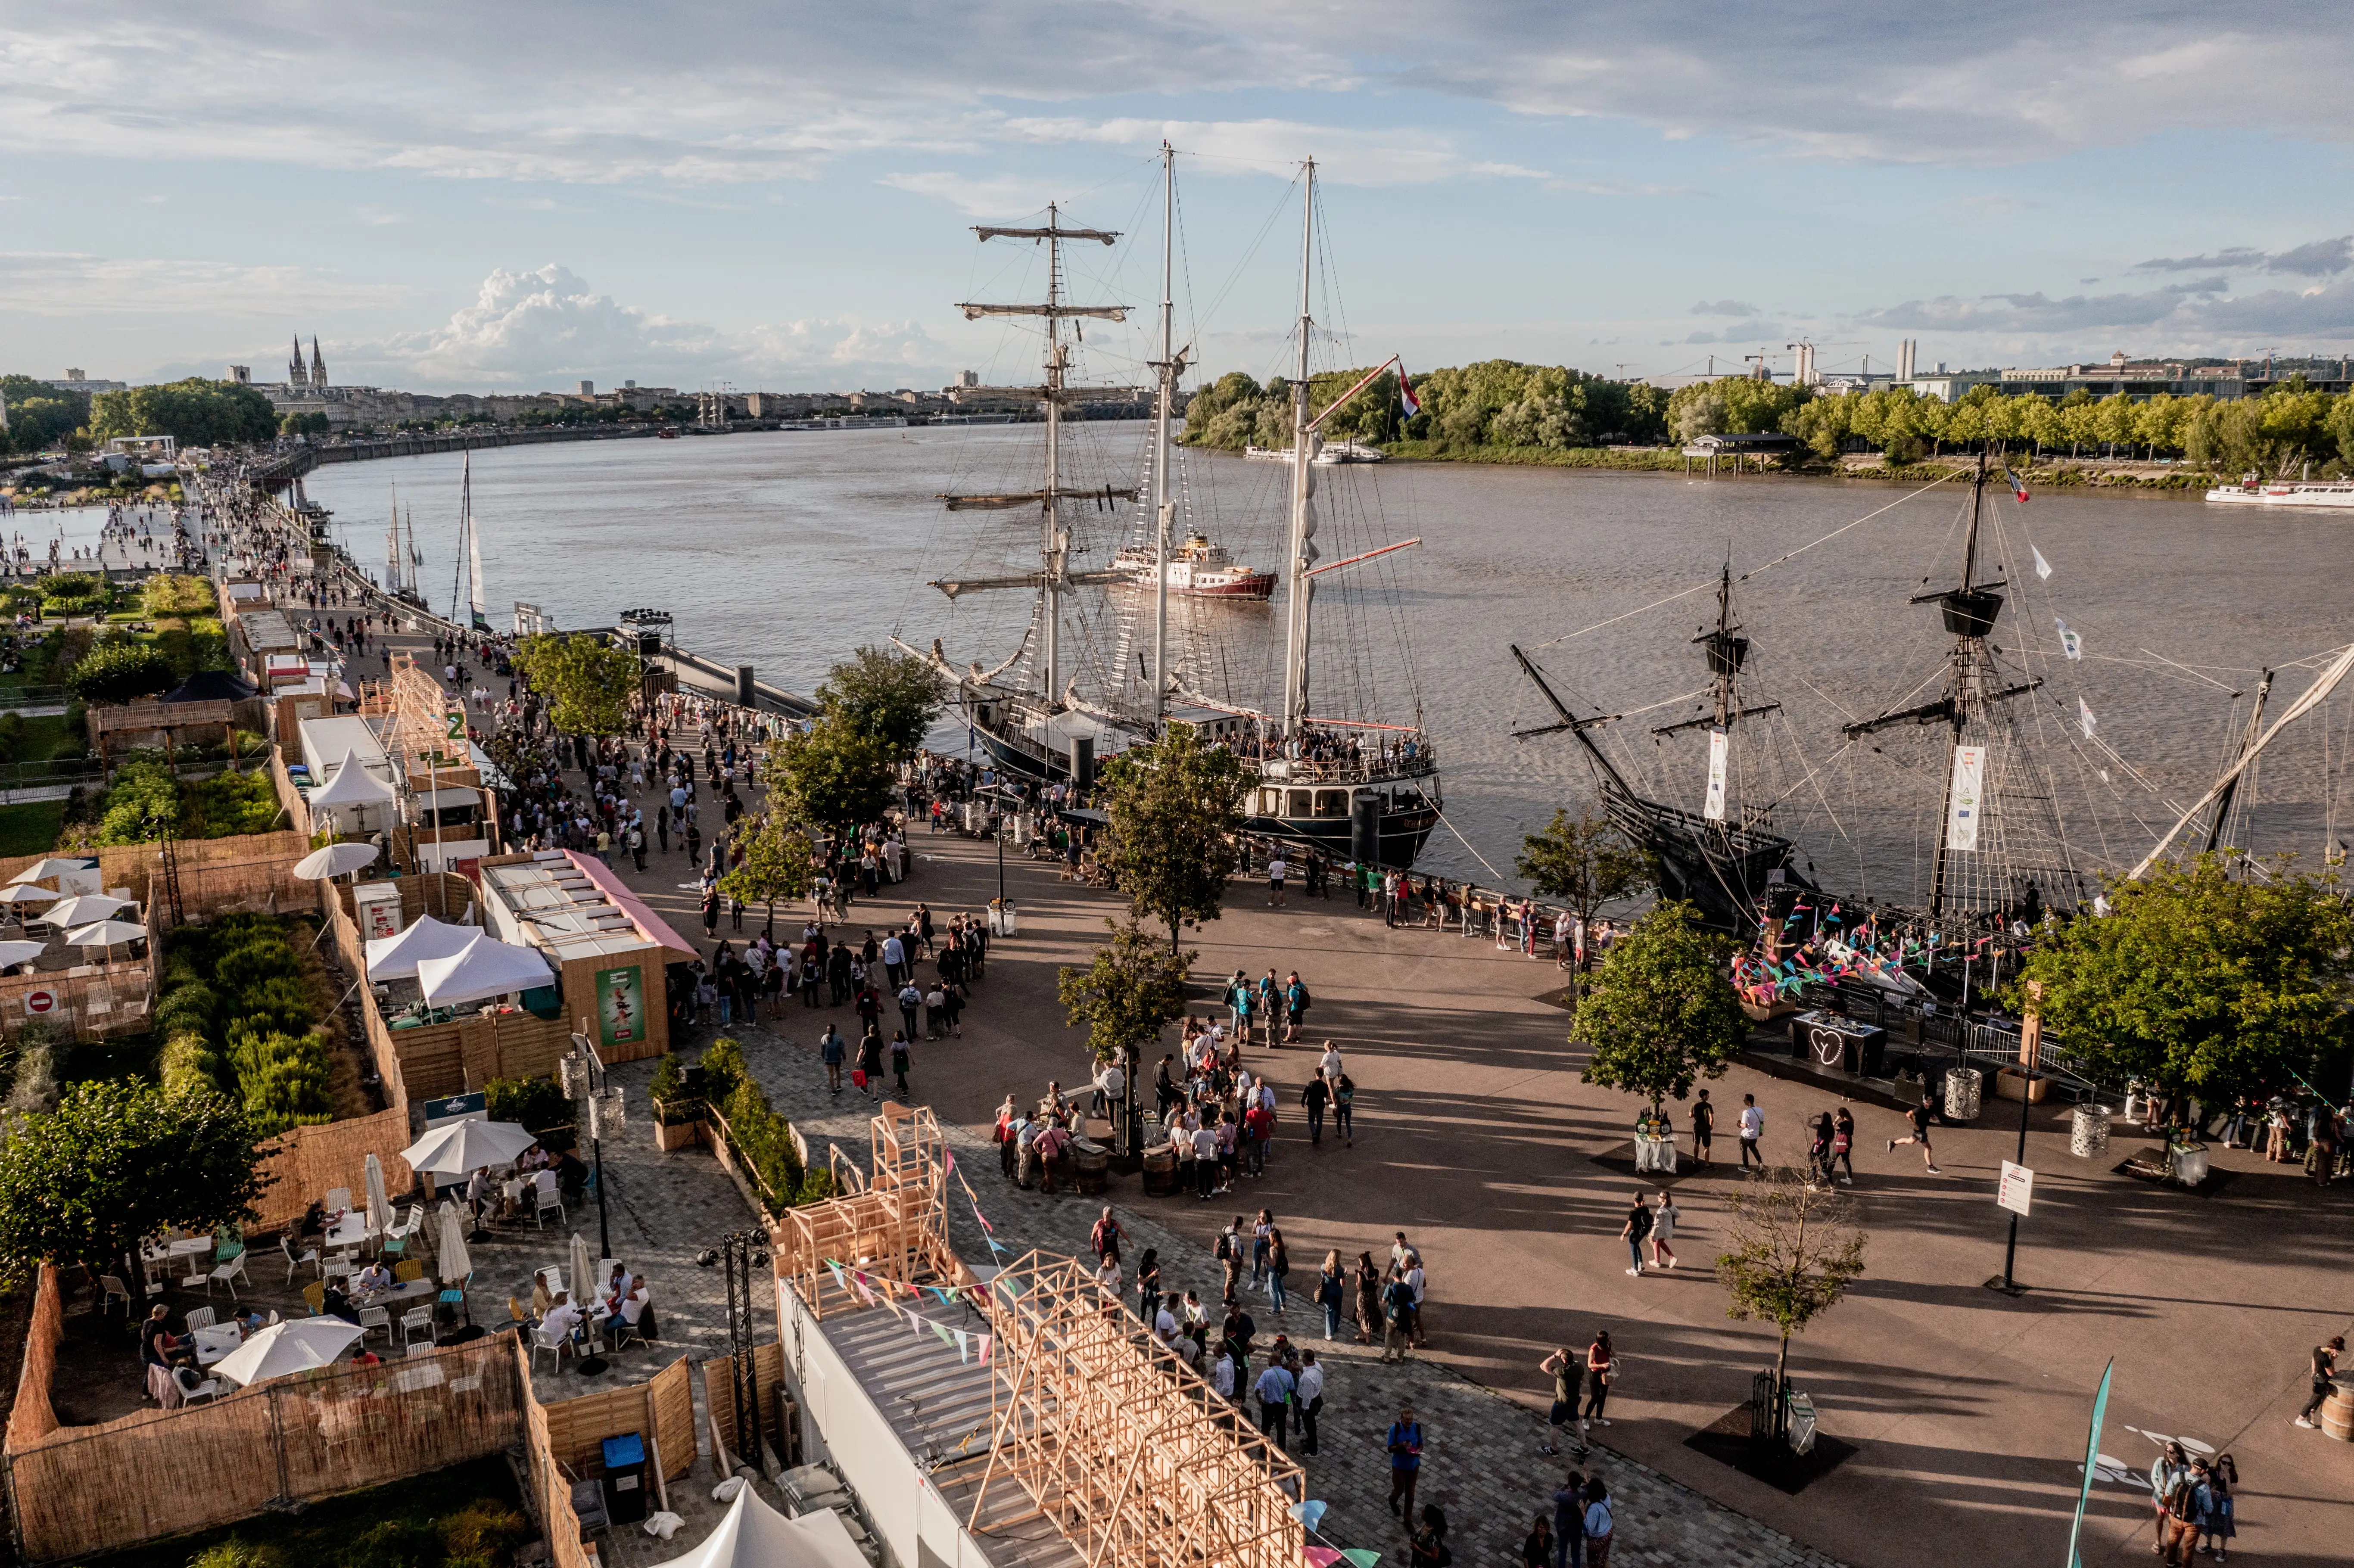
(523, 196)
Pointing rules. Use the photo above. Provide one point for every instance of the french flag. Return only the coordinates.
(1405, 392)
(2018, 485)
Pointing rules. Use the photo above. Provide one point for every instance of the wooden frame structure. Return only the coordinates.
(897, 1227)
(1118, 1442)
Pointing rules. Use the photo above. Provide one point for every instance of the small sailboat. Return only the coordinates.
(468, 610)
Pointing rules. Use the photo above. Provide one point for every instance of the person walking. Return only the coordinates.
(1704, 1127)
(1397, 1310)
(2184, 1501)
(1562, 1367)
(2325, 1368)
(1843, 1145)
(1920, 1117)
(1367, 1284)
(1404, 1444)
(1601, 1364)
(1332, 1292)
(2216, 1525)
(2166, 1471)
(831, 1051)
(1277, 869)
(1315, 1097)
(1427, 1547)
(1230, 1254)
(1278, 1269)
(1569, 1521)
(1637, 1228)
(1753, 1128)
(1664, 1215)
(1344, 1101)
(870, 1062)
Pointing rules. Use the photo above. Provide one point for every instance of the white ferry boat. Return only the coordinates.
(1329, 456)
(2285, 493)
(1199, 569)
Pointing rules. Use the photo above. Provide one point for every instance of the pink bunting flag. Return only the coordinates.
(1322, 1556)
(988, 1343)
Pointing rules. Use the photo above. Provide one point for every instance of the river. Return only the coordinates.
(785, 550)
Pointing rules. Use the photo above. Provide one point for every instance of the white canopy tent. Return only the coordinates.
(397, 958)
(353, 785)
(484, 967)
(754, 1535)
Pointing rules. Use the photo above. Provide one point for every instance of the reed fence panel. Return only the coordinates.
(551, 1487)
(33, 1417)
(306, 1162)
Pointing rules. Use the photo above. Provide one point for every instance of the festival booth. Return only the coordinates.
(608, 948)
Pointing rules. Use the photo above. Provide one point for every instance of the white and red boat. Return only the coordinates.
(1199, 568)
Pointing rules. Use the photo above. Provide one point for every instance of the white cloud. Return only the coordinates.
(69, 283)
(546, 327)
(2198, 317)
(1393, 155)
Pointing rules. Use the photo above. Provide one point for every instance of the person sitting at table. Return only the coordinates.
(540, 1299)
(374, 1277)
(333, 1303)
(616, 1288)
(250, 1324)
(158, 1346)
(364, 1357)
(478, 1188)
(629, 1308)
(563, 1320)
(315, 1221)
(534, 1159)
(571, 1176)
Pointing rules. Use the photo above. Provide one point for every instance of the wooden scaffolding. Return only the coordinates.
(896, 1227)
(1117, 1440)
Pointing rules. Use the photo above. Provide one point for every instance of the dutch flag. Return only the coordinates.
(1405, 392)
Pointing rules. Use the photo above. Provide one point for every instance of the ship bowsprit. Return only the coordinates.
(1724, 869)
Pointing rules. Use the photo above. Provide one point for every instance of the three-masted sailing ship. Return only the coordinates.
(1352, 786)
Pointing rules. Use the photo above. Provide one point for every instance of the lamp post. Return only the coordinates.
(599, 1108)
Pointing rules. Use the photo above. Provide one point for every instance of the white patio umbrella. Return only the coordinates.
(25, 893)
(452, 1263)
(582, 1275)
(107, 934)
(337, 860)
(462, 1148)
(50, 870)
(14, 953)
(379, 1205)
(87, 909)
(297, 1345)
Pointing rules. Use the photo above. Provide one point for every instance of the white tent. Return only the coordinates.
(397, 958)
(754, 1535)
(296, 1345)
(353, 785)
(462, 1148)
(485, 967)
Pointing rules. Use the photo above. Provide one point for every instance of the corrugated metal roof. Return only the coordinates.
(939, 1405)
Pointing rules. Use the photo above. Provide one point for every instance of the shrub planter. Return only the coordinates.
(678, 1127)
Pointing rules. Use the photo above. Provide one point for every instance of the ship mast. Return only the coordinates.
(1300, 590)
(1171, 365)
(392, 546)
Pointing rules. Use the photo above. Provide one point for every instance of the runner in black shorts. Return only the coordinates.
(1919, 1116)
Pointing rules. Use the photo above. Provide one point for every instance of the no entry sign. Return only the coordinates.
(39, 1001)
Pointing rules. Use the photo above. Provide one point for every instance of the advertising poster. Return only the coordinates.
(620, 1007)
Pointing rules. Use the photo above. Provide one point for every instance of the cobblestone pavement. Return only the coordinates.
(1480, 1461)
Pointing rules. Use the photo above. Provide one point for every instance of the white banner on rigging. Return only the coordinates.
(1967, 794)
(1714, 807)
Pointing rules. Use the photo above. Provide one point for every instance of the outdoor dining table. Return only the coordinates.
(349, 1230)
(185, 1246)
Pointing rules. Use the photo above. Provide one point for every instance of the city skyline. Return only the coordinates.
(779, 200)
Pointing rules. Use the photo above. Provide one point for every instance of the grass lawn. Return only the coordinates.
(46, 737)
(31, 828)
(467, 1517)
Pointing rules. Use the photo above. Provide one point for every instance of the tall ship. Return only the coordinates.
(1087, 680)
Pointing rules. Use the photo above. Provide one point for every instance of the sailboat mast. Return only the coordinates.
(1963, 677)
(1723, 648)
(2247, 742)
(1299, 589)
(409, 562)
(466, 526)
(1050, 596)
(1163, 506)
(392, 546)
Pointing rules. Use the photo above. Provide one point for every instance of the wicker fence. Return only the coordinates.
(33, 1417)
(306, 1162)
(110, 998)
(83, 1491)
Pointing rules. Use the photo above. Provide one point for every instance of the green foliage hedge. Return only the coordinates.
(240, 1011)
(168, 593)
(121, 671)
(762, 1140)
(538, 1104)
(145, 803)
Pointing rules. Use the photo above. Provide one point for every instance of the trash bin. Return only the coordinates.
(1655, 1154)
(2189, 1161)
(1001, 917)
(2088, 1131)
(1802, 1423)
(1963, 1089)
(625, 1478)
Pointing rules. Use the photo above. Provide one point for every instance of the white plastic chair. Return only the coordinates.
(424, 1350)
(339, 1199)
(296, 1256)
(208, 1389)
(556, 1345)
(115, 1291)
(412, 1320)
(545, 1202)
(201, 1318)
(375, 1317)
(228, 1274)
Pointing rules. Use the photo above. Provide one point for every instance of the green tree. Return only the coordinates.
(891, 696)
(1128, 993)
(196, 412)
(831, 777)
(587, 681)
(2201, 981)
(39, 415)
(775, 866)
(1662, 1013)
(1175, 807)
(118, 1160)
(1587, 864)
(1794, 1252)
(119, 672)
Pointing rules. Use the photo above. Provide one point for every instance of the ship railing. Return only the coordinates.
(1297, 770)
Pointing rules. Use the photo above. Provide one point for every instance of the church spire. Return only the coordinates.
(295, 374)
(318, 365)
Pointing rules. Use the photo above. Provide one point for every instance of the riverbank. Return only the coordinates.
(2047, 471)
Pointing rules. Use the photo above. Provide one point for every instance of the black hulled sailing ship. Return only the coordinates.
(1343, 785)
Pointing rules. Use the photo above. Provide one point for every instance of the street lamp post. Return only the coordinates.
(599, 1108)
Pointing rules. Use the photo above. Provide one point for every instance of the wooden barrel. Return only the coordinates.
(1090, 1165)
(1161, 1171)
(2337, 1410)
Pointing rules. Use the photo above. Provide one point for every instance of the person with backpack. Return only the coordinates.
(1296, 1001)
(1344, 1102)
(1229, 1252)
(1633, 1232)
(1428, 1549)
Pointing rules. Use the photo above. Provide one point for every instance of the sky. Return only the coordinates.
(779, 197)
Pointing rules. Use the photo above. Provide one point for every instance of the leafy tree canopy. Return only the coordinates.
(831, 777)
(1174, 806)
(120, 671)
(1586, 862)
(39, 415)
(892, 697)
(587, 681)
(1662, 1013)
(775, 866)
(118, 1160)
(1794, 1252)
(197, 412)
(2199, 980)
(1127, 993)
